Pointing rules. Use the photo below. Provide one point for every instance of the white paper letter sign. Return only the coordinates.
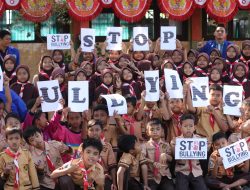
(200, 91)
(173, 83)
(114, 38)
(140, 36)
(58, 41)
(78, 100)
(1, 79)
(116, 102)
(87, 39)
(152, 85)
(191, 149)
(50, 91)
(168, 37)
(232, 97)
(235, 153)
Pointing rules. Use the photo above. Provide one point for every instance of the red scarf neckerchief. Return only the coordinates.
(176, 118)
(185, 77)
(107, 88)
(231, 66)
(23, 84)
(15, 157)
(212, 119)
(63, 87)
(49, 162)
(149, 112)
(201, 71)
(219, 83)
(85, 173)
(12, 75)
(131, 88)
(44, 74)
(131, 121)
(156, 156)
(243, 60)
(179, 66)
(242, 83)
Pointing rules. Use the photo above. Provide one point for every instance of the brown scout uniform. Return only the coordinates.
(54, 149)
(204, 127)
(150, 154)
(129, 161)
(27, 171)
(96, 175)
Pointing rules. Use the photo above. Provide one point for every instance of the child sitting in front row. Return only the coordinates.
(16, 165)
(133, 160)
(85, 172)
(107, 156)
(158, 154)
(219, 177)
(188, 172)
(46, 156)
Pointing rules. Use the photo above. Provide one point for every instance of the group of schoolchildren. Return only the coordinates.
(134, 151)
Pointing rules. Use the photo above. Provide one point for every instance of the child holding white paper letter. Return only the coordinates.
(211, 118)
(188, 172)
(219, 177)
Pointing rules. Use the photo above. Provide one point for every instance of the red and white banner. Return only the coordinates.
(222, 11)
(82, 10)
(36, 10)
(177, 9)
(131, 10)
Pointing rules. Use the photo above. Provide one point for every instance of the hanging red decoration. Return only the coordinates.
(222, 11)
(200, 3)
(131, 10)
(84, 10)
(244, 4)
(36, 10)
(2, 7)
(12, 4)
(177, 9)
(107, 3)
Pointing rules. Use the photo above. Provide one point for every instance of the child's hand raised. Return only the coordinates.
(62, 102)
(6, 80)
(65, 112)
(116, 115)
(39, 100)
(143, 95)
(162, 95)
(86, 115)
(73, 166)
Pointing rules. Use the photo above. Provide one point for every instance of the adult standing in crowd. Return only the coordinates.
(219, 42)
(6, 49)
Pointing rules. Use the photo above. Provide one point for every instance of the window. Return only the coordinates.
(241, 25)
(101, 23)
(237, 29)
(25, 31)
(21, 30)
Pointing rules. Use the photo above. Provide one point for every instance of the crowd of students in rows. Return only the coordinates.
(90, 150)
